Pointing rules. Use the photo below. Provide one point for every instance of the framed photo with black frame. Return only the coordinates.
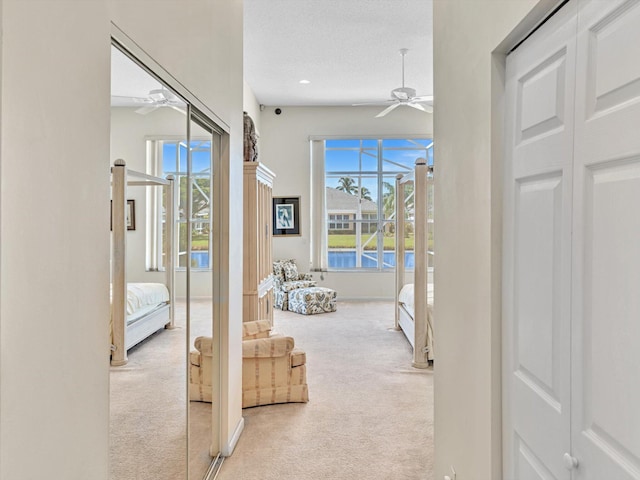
(286, 216)
(130, 215)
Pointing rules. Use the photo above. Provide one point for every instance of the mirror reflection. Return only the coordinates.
(198, 243)
(162, 260)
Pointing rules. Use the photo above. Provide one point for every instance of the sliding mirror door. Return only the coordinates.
(198, 241)
(164, 386)
(148, 394)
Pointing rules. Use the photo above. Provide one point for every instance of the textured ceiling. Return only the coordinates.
(348, 49)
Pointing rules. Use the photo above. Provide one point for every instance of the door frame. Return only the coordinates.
(537, 16)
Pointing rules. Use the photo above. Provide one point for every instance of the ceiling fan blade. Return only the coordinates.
(388, 109)
(145, 110)
(423, 98)
(423, 108)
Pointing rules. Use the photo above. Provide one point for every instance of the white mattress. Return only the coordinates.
(141, 296)
(407, 297)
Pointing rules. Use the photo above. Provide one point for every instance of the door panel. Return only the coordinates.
(537, 250)
(611, 44)
(538, 217)
(606, 261)
(541, 98)
(528, 465)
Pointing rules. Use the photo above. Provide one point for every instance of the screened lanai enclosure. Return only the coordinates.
(359, 181)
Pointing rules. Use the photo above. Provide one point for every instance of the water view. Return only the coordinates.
(347, 259)
(337, 259)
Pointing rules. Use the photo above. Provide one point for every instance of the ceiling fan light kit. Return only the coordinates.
(161, 97)
(156, 98)
(404, 96)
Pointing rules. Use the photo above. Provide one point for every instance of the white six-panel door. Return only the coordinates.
(537, 251)
(571, 310)
(605, 406)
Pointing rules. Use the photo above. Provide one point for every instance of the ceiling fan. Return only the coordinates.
(404, 96)
(157, 98)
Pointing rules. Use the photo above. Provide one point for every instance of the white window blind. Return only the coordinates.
(318, 242)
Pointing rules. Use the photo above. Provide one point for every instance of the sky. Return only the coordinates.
(399, 156)
(342, 158)
(200, 157)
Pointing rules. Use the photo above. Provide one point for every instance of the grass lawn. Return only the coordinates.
(200, 242)
(349, 241)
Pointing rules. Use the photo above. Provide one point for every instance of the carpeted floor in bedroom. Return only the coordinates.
(370, 414)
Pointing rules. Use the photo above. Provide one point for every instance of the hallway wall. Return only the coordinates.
(468, 212)
(54, 212)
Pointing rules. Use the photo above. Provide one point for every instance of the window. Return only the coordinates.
(358, 199)
(170, 158)
(339, 222)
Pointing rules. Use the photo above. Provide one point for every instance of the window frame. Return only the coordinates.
(155, 215)
(382, 174)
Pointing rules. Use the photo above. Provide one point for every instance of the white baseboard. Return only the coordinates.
(365, 299)
(228, 448)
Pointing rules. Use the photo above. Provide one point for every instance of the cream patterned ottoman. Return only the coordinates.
(308, 301)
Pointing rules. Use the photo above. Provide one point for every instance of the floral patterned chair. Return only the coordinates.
(312, 300)
(287, 279)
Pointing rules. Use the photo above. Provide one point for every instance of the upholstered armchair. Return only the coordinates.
(273, 370)
(287, 278)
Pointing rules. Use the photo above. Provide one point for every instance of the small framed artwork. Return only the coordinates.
(130, 215)
(286, 216)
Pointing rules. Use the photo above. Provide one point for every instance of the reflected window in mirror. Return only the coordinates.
(169, 157)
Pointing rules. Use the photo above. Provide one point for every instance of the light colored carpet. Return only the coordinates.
(370, 414)
(148, 407)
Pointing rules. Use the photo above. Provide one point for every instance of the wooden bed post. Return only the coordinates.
(118, 261)
(420, 359)
(170, 259)
(400, 251)
(125, 336)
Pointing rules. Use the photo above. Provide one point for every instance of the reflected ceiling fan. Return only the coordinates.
(158, 98)
(404, 96)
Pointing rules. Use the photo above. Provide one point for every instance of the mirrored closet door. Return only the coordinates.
(159, 428)
(204, 155)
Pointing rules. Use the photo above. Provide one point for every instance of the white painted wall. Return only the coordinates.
(468, 212)
(54, 214)
(284, 148)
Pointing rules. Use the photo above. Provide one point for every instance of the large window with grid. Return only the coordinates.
(358, 199)
(169, 157)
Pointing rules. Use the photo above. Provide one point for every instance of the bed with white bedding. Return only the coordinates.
(406, 306)
(137, 309)
(414, 300)
(143, 298)
(147, 311)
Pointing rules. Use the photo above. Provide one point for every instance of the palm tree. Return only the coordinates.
(388, 199)
(365, 194)
(409, 198)
(347, 185)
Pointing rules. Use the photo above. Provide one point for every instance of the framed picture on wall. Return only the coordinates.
(130, 215)
(286, 216)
